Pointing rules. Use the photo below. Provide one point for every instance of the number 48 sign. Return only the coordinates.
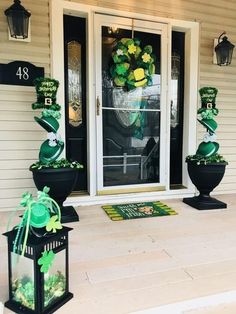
(23, 73)
(19, 73)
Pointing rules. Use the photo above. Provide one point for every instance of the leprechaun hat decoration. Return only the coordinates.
(46, 89)
(207, 113)
(49, 152)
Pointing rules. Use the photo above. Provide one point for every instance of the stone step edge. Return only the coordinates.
(193, 304)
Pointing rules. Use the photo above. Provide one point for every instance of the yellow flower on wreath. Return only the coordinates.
(132, 49)
(146, 57)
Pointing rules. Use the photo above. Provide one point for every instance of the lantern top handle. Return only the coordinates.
(224, 33)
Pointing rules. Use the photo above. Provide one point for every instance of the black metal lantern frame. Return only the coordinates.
(50, 289)
(224, 50)
(18, 20)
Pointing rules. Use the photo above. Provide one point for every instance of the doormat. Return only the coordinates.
(138, 210)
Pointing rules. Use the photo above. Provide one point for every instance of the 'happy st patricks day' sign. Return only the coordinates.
(19, 73)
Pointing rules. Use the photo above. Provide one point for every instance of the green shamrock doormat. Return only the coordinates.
(138, 210)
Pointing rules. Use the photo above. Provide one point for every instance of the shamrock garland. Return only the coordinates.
(132, 67)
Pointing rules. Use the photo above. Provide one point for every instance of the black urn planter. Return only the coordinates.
(61, 182)
(205, 178)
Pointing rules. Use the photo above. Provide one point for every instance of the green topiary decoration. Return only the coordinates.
(50, 149)
(207, 151)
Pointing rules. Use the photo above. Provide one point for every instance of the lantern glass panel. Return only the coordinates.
(22, 281)
(55, 279)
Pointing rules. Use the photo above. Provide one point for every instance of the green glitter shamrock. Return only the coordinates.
(46, 261)
(53, 224)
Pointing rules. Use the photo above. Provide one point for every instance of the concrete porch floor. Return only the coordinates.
(134, 265)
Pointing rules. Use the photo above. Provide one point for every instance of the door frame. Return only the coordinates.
(191, 30)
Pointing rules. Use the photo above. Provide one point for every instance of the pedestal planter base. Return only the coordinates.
(61, 183)
(205, 178)
(68, 214)
(203, 203)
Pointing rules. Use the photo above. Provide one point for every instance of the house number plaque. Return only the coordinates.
(19, 73)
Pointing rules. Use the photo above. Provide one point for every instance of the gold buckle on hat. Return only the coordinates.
(47, 101)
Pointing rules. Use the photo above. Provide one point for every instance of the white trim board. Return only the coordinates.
(191, 29)
(194, 304)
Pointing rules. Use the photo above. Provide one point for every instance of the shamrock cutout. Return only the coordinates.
(46, 261)
(121, 68)
(26, 198)
(44, 193)
(53, 224)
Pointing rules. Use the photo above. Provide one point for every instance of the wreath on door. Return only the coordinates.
(132, 66)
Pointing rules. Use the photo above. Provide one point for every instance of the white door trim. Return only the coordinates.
(142, 26)
(191, 29)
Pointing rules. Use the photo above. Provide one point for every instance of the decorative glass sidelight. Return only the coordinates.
(74, 83)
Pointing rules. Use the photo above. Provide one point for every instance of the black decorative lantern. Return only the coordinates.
(38, 257)
(18, 20)
(38, 280)
(224, 50)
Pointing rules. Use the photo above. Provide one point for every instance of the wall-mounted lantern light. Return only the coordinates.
(224, 50)
(18, 20)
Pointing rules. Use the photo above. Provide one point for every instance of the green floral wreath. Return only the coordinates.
(132, 67)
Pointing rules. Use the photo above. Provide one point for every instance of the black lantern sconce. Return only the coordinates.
(18, 20)
(224, 50)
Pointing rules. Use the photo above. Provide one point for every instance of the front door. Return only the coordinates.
(131, 117)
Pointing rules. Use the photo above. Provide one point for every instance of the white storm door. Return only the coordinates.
(131, 125)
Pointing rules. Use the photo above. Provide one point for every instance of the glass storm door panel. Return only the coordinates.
(130, 129)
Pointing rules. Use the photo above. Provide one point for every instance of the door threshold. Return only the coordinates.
(177, 187)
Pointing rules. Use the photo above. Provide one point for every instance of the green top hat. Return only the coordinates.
(210, 124)
(46, 89)
(50, 153)
(39, 215)
(208, 95)
(207, 149)
(50, 124)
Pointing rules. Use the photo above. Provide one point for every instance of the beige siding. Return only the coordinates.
(19, 135)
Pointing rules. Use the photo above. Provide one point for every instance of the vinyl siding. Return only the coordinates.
(20, 137)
